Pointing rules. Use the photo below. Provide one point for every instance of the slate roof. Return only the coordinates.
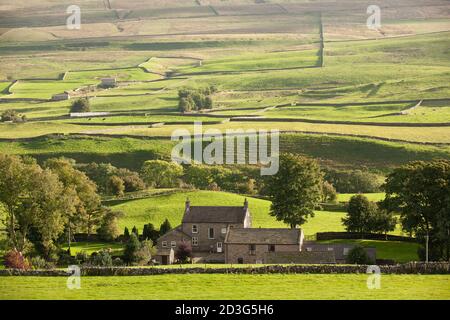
(263, 236)
(177, 231)
(214, 215)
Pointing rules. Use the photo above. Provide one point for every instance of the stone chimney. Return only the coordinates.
(188, 205)
(245, 204)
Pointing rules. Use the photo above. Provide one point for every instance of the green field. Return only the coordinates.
(345, 197)
(392, 250)
(91, 247)
(348, 96)
(340, 152)
(251, 287)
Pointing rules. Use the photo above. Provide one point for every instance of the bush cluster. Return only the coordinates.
(14, 116)
(353, 181)
(80, 106)
(111, 180)
(196, 99)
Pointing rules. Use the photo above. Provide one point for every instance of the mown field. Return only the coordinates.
(251, 287)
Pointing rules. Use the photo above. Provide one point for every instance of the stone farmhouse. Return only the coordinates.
(224, 234)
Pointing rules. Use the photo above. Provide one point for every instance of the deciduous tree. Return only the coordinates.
(420, 192)
(161, 174)
(295, 190)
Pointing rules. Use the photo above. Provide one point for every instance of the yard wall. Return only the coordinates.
(408, 268)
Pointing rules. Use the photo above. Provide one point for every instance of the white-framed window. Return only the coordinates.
(224, 230)
(309, 249)
(346, 250)
(259, 262)
(173, 244)
(194, 241)
(210, 233)
(330, 249)
(164, 244)
(194, 228)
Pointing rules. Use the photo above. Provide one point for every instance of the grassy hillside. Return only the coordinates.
(171, 206)
(340, 152)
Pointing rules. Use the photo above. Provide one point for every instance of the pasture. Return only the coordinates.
(251, 287)
(349, 96)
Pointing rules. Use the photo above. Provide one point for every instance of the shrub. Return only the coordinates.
(82, 257)
(161, 174)
(80, 106)
(117, 262)
(329, 193)
(144, 254)
(132, 246)
(150, 233)
(65, 259)
(183, 252)
(186, 104)
(109, 229)
(358, 255)
(165, 227)
(195, 99)
(39, 263)
(135, 231)
(353, 181)
(126, 234)
(131, 180)
(14, 259)
(12, 115)
(102, 259)
(116, 186)
(360, 214)
(101, 174)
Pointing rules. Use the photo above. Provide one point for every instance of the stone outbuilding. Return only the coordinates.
(108, 83)
(61, 96)
(247, 246)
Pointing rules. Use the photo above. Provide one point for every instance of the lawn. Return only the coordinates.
(91, 247)
(398, 251)
(251, 287)
(345, 197)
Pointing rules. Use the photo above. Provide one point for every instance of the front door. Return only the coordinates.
(219, 247)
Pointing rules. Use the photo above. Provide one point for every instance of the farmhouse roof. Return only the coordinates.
(263, 236)
(214, 214)
(177, 231)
